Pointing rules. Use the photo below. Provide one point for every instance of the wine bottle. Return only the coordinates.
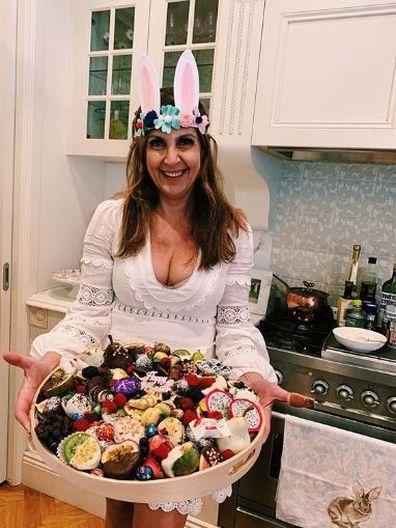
(388, 297)
(353, 269)
(344, 303)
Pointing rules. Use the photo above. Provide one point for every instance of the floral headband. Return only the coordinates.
(185, 113)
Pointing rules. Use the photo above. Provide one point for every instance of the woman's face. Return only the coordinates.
(173, 161)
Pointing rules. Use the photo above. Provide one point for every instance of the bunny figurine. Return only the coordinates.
(349, 513)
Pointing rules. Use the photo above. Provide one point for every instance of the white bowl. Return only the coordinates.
(359, 339)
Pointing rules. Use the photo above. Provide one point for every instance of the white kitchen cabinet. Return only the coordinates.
(327, 75)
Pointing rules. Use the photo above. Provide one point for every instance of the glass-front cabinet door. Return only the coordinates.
(107, 41)
(176, 25)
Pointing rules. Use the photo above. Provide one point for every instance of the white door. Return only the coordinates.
(7, 107)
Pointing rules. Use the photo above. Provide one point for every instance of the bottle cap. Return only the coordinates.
(372, 260)
(357, 303)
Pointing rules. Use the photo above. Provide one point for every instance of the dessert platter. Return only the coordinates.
(141, 422)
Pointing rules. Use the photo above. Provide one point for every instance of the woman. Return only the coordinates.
(168, 261)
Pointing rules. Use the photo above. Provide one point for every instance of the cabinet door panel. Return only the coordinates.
(327, 74)
(108, 37)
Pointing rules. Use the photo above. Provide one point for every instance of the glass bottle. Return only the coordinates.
(388, 297)
(391, 334)
(355, 316)
(369, 281)
(344, 303)
(371, 313)
(353, 269)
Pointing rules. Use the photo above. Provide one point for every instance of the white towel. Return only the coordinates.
(330, 477)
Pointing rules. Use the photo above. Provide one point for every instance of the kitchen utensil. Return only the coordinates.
(305, 304)
(359, 339)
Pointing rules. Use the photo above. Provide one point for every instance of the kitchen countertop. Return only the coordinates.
(58, 299)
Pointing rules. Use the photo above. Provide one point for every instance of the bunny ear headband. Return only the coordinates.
(185, 113)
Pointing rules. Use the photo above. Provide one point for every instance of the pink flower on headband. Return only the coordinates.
(201, 122)
(187, 120)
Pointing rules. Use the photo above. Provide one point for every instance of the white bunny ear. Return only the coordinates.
(186, 83)
(148, 85)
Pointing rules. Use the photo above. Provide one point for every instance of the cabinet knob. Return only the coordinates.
(344, 393)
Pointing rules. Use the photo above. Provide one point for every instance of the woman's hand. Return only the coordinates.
(268, 391)
(35, 370)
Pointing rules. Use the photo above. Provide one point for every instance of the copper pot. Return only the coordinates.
(306, 304)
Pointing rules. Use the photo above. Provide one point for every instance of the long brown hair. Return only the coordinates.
(213, 219)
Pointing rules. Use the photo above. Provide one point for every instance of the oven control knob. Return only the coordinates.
(370, 399)
(279, 376)
(344, 392)
(320, 387)
(391, 404)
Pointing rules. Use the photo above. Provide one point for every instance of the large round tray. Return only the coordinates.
(187, 487)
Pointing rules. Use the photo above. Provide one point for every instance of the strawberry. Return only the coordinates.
(205, 382)
(189, 416)
(160, 446)
(109, 406)
(227, 453)
(155, 466)
(186, 403)
(192, 380)
(81, 389)
(120, 400)
(81, 424)
(130, 370)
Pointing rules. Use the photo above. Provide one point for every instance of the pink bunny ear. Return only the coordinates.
(148, 85)
(186, 83)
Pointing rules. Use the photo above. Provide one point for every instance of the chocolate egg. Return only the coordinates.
(127, 386)
(144, 473)
(151, 430)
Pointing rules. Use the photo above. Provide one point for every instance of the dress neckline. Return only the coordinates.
(178, 285)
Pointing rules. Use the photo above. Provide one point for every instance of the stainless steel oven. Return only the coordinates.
(354, 393)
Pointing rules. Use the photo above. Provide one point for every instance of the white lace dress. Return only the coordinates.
(122, 297)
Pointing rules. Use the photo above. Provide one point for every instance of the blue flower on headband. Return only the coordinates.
(168, 119)
(149, 119)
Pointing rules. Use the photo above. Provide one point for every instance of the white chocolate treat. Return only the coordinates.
(128, 428)
(239, 436)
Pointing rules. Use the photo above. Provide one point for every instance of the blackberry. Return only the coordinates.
(90, 372)
(52, 428)
(195, 394)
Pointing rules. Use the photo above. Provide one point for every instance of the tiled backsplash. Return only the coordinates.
(325, 208)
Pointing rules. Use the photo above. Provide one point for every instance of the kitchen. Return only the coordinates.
(308, 214)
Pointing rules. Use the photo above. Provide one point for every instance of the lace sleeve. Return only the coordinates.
(239, 343)
(88, 321)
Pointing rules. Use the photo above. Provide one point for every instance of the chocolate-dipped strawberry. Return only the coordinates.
(116, 356)
(120, 460)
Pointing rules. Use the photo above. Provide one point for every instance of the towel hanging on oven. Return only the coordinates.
(330, 477)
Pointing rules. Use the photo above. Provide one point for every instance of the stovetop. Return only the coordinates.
(282, 332)
(310, 361)
(383, 360)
